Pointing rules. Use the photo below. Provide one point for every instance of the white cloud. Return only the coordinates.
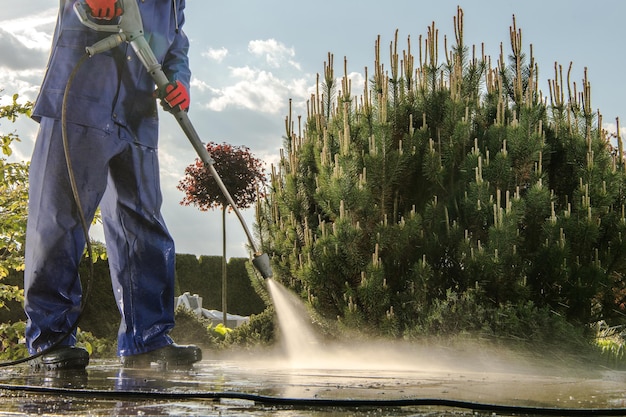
(262, 82)
(217, 55)
(357, 83)
(257, 90)
(199, 85)
(275, 53)
(611, 129)
(24, 82)
(24, 46)
(34, 31)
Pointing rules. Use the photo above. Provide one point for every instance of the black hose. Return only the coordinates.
(317, 402)
(83, 223)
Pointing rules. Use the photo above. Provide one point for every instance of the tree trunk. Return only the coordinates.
(224, 291)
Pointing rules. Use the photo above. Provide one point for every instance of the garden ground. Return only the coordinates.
(264, 384)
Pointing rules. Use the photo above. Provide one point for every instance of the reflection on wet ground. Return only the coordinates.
(261, 386)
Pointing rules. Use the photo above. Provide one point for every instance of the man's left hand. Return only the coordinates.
(174, 95)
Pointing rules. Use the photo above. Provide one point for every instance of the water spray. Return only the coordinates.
(129, 29)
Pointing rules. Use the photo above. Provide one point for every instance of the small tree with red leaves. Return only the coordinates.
(241, 173)
(243, 177)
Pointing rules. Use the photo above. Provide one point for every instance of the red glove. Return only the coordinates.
(175, 94)
(104, 9)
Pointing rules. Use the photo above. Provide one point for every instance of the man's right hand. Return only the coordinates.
(104, 9)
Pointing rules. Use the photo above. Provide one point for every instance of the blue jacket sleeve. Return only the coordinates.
(176, 62)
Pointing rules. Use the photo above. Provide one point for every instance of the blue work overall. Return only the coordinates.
(112, 130)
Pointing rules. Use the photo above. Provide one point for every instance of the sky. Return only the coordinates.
(249, 58)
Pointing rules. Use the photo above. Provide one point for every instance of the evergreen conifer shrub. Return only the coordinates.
(452, 172)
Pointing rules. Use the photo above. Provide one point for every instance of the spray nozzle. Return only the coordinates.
(262, 264)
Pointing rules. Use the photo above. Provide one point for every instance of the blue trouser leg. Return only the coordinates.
(55, 240)
(140, 251)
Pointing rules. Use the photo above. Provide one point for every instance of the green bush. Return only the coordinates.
(191, 329)
(611, 344)
(259, 331)
(451, 189)
(523, 325)
(97, 347)
(13, 344)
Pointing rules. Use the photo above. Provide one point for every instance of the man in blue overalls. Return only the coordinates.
(112, 129)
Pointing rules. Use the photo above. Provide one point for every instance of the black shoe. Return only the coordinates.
(169, 356)
(62, 358)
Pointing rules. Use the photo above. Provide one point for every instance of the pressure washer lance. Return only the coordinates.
(129, 28)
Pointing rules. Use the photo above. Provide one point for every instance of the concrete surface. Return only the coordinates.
(247, 385)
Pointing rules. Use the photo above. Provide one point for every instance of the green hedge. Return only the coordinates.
(202, 276)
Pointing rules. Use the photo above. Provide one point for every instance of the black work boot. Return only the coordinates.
(173, 356)
(62, 358)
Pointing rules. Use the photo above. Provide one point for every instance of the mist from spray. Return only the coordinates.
(303, 348)
(305, 364)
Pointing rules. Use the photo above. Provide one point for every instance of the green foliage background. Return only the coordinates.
(200, 276)
(13, 199)
(451, 185)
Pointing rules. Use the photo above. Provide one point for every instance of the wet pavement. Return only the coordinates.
(373, 385)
